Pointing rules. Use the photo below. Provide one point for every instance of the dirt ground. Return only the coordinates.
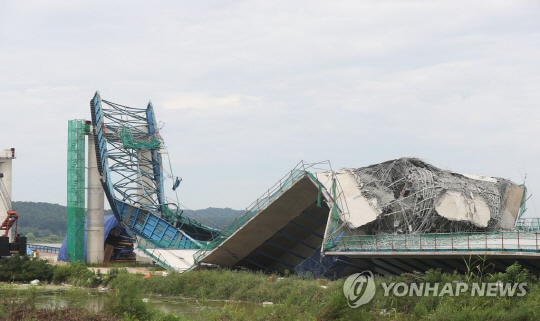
(51, 257)
(133, 270)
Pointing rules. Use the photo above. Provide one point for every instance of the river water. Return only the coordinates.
(94, 300)
(47, 244)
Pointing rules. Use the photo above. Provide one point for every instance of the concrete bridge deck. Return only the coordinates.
(396, 254)
(280, 236)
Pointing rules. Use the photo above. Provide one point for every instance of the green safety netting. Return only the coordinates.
(523, 205)
(528, 224)
(129, 142)
(76, 189)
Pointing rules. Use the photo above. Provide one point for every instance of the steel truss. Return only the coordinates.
(128, 147)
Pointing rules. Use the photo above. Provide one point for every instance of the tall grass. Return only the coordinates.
(293, 297)
(296, 298)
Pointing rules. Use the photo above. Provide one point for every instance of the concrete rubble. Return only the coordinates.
(408, 195)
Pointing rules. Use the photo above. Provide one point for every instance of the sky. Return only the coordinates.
(247, 89)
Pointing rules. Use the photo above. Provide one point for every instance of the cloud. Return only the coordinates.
(247, 89)
(200, 103)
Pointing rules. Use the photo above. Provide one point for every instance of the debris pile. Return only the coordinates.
(413, 196)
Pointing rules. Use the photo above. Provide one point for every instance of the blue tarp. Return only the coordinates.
(109, 223)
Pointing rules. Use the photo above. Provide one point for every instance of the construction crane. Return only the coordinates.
(12, 216)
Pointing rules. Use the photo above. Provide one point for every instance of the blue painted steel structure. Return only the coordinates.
(132, 176)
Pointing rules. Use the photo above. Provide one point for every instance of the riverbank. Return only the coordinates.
(51, 258)
(243, 295)
(53, 297)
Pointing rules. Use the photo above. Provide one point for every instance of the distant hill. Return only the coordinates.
(46, 219)
(41, 219)
(214, 217)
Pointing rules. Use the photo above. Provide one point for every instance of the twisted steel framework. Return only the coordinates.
(128, 145)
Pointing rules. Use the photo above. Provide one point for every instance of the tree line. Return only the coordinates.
(48, 222)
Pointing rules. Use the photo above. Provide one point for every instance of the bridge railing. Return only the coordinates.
(297, 173)
(517, 241)
(528, 224)
(156, 256)
(44, 248)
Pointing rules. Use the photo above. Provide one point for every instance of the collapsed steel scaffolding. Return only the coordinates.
(406, 191)
(129, 146)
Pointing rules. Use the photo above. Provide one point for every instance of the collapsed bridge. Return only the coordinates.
(397, 216)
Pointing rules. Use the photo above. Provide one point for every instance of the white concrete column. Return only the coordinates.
(6, 169)
(95, 208)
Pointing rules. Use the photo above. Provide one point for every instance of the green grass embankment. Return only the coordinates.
(293, 297)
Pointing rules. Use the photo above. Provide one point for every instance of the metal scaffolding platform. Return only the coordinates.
(76, 189)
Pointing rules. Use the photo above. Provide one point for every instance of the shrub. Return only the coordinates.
(109, 278)
(516, 274)
(126, 301)
(24, 269)
(420, 310)
(75, 273)
(36, 269)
